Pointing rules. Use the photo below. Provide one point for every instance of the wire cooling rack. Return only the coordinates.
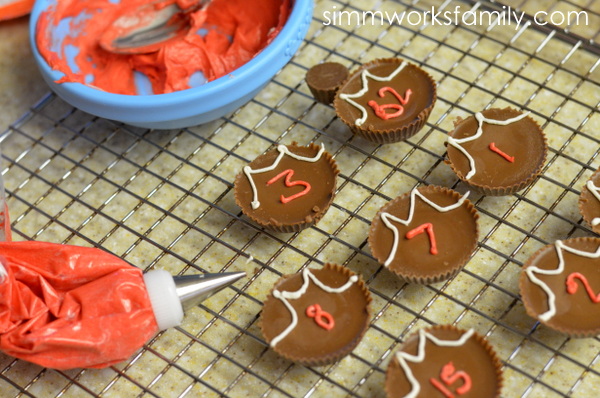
(164, 199)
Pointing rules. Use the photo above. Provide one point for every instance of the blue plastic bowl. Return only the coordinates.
(189, 107)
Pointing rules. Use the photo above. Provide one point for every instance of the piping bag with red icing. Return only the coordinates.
(66, 307)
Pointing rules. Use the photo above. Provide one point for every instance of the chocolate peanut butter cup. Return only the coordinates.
(386, 100)
(325, 79)
(497, 151)
(444, 361)
(560, 286)
(589, 202)
(316, 316)
(288, 188)
(426, 235)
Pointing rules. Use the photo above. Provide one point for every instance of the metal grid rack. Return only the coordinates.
(163, 199)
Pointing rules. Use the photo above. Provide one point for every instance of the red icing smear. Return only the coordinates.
(5, 232)
(68, 307)
(251, 26)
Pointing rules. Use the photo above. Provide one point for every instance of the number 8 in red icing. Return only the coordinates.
(380, 110)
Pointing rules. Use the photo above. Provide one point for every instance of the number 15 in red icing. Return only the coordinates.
(449, 376)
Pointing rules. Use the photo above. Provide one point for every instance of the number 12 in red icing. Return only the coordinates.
(381, 110)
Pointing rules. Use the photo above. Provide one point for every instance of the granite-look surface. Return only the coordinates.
(21, 84)
(164, 199)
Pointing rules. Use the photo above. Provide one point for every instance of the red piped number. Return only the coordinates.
(289, 173)
(494, 148)
(572, 286)
(449, 376)
(322, 318)
(427, 227)
(381, 110)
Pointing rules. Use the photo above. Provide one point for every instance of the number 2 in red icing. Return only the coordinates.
(380, 110)
(449, 376)
(289, 173)
(572, 286)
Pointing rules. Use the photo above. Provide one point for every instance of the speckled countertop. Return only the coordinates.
(164, 199)
(21, 85)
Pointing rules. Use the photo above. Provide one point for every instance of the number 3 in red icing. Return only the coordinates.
(288, 174)
(380, 110)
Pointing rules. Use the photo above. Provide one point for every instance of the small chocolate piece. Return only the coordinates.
(325, 79)
(288, 188)
(589, 202)
(497, 151)
(332, 311)
(426, 235)
(386, 100)
(560, 286)
(444, 361)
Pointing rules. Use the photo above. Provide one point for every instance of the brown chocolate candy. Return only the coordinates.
(589, 202)
(288, 188)
(453, 362)
(573, 307)
(311, 341)
(325, 79)
(505, 156)
(386, 100)
(454, 234)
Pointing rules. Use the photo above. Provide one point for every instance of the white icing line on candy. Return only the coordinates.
(596, 192)
(365, 73)
(283, 150)
(284, 296)
(387, 218)
(456, 142)
(560, 247)
(403, 357)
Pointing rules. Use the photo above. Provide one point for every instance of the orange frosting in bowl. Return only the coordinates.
(222, 37)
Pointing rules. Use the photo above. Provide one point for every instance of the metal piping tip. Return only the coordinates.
(194, 289)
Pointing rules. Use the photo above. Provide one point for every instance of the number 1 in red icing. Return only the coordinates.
(449, 376)
(289, 173)
(494, 148)
(380, 110)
